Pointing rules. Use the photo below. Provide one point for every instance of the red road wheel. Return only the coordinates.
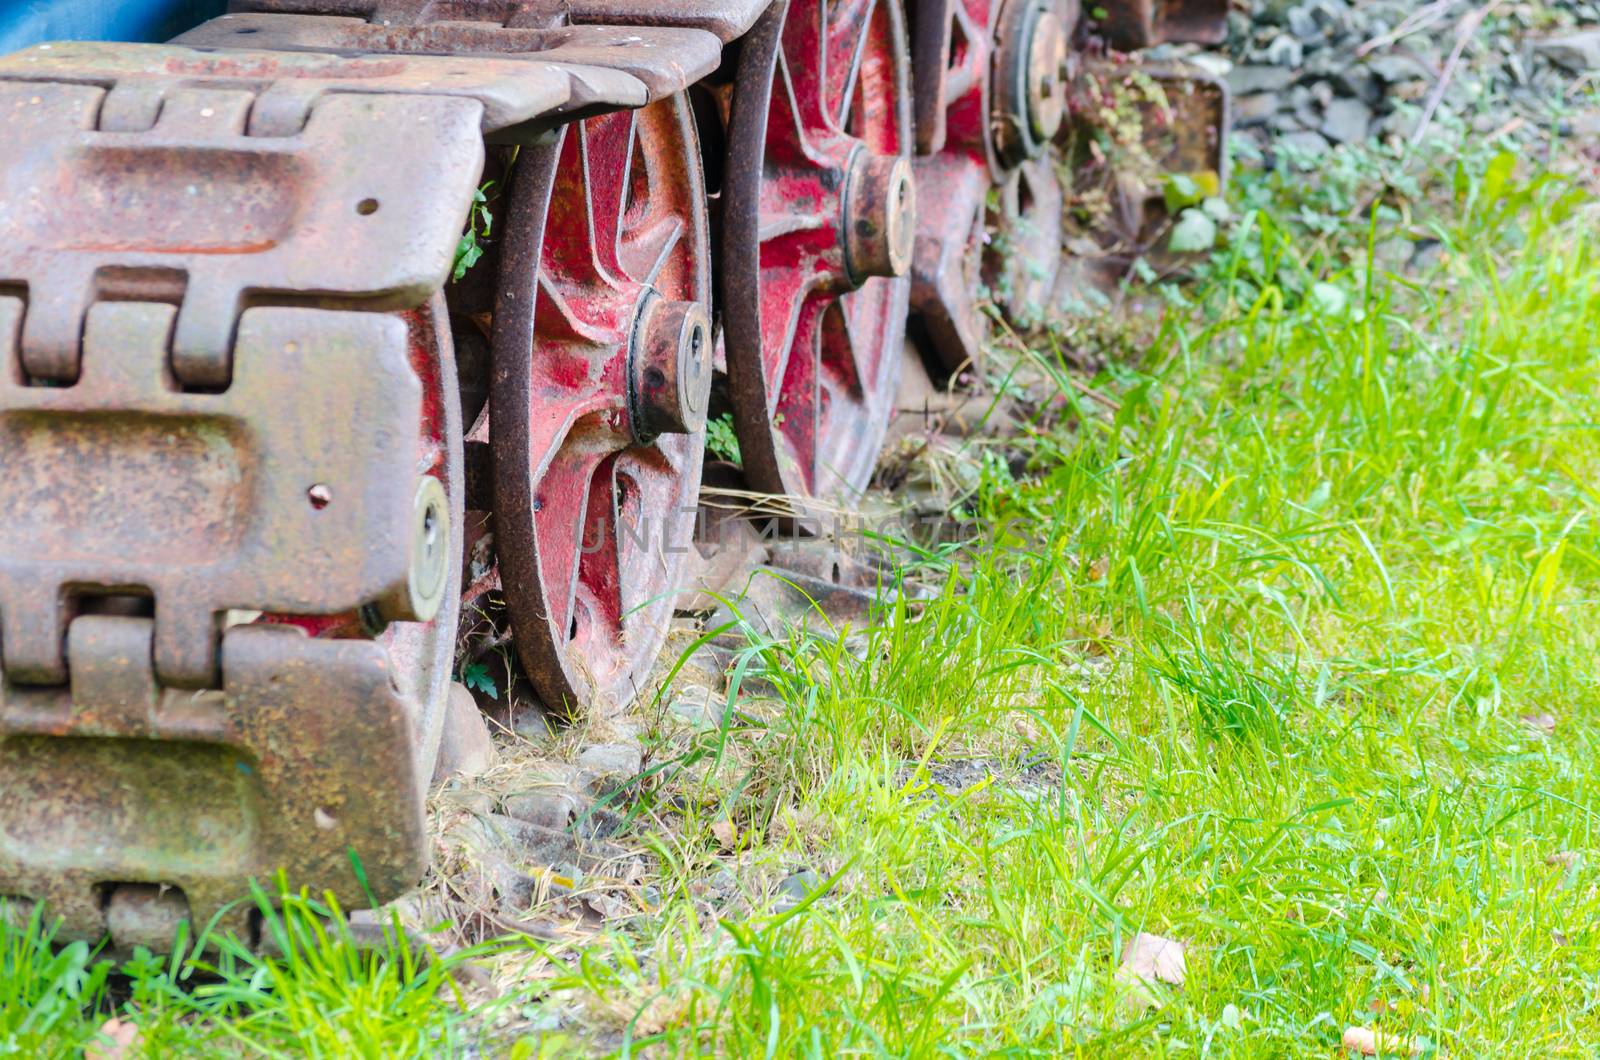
(602, 369)
(817, 228)
(1025, 253)
(953, 56)
(421, 654)
(990, 95)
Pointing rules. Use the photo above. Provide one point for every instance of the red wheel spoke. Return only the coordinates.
(586, 211)
(784, 293)
(845, 339)
(794, 413)
(561, 503)
(646, 254)
(793, 117)
(849, 22)
(651, 514)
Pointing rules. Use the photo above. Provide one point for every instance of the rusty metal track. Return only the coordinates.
(232, 438)
(233, 462)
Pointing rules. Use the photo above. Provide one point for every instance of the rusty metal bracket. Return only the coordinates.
(293, 491)
(1129, 25)
(289, 86)
(216, 219)
(664, 60)
(301, 760)
(726, 19)
(1192, 136)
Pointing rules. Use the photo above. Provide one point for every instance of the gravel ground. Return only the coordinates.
(1314, 74)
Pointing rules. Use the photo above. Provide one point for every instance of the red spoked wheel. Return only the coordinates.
(1030, 74)
(953, 53)
(817, 227)
(990, 96)
(421, 654)
(1024, 253)
(602, 370)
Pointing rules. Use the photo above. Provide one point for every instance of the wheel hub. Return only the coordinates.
(880, 216)
(1046, 91)
(1030, 95)
(669, 368)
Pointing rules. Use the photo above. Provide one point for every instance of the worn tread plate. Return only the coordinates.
(664, 60)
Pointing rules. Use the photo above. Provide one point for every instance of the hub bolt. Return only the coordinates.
(669, 368)
(427, 573)
(880, 209)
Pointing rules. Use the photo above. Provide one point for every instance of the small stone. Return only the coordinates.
(699, 707)
(1358, 82)
(1286, 51)
(121, 1039)
(1346, 121)
(1577, 53)
(1253, 110)
(1396, 69)
(465, 746)
(726, 835)
(1301, 24)
(1147, 961)
(1251, 80)
(1427, 255)
(550, 807)
(1542, 723)
(1365, 1041)
(1215, 65)
(1394, 253)
(612, 760)
(1307, 142)
(793, 888)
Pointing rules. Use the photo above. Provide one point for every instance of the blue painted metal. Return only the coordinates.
(25, 22)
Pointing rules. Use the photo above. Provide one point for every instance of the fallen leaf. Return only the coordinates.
(1154, 959)
(123, 1036)
(1368, 1042)
(726, 835)
(1147, 960)
(1542, 723)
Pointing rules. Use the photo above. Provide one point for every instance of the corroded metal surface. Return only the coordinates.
(945, 271)
(726, 19)
(1022, 258)
(1129, 25)
(193, 210)
(302, 756)
(201, 500)
(1189, 135)
(607, 259)
(1028, 95)
(812, 349)
(663, 60)
(990, 96)
(288, 86)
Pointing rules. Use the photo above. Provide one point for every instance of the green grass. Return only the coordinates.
(1248, 655)
(1243, 651)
